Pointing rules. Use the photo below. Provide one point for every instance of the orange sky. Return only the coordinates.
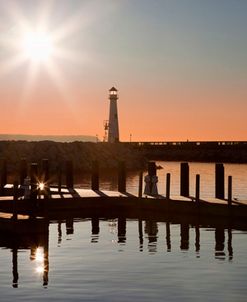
(181, 72)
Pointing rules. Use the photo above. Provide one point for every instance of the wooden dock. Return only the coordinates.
(86, 202)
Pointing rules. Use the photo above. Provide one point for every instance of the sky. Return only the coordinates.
(180, 67)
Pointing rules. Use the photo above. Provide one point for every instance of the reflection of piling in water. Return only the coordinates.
(184, 232)
(95, 229)
(69, 226)
(140, 231)
(46, 260)
(121, 230)
(151, 229)
(197, 241)
(59, 231)
(168, 237)
(15, 266)
(229, 244)
(219, 242)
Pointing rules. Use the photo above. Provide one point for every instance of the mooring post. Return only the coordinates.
(15, 199)
(95, 176)
(168, 185)
(219, 181)
(229, 190)
(46, 176)
(197, 187)
(140, 184)
(121, 176)
(184, 179)
(34, 180)
(23, 171)
(3, 174)
(59, 178)
(69, 174)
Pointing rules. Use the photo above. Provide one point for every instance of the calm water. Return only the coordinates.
(129, 260)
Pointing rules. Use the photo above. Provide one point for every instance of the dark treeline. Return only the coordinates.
(81, 153)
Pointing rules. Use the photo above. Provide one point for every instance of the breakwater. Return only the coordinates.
(197, 151)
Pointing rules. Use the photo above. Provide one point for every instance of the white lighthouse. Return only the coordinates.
(113, 130)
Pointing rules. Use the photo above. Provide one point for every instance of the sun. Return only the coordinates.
(37, 45)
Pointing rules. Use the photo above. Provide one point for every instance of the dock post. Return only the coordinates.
(34, 180)
(184, 179)
(46, 176)
(121, 177)
(3, 175)
(59, 178)
(229, 190)
(23, 171)
(140, 184)
(197, 187)
(168, 185)
(95, 176)
(69, 174)
(219, 181)
(15, 199)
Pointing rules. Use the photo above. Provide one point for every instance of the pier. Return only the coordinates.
(57, 201)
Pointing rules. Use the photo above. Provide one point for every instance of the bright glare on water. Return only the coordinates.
(130, 260)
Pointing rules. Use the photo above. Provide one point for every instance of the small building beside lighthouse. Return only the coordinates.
(113, 128)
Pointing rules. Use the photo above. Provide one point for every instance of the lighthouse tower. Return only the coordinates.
(113, 131)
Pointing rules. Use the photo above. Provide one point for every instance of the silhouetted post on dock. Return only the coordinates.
(34, 180)
(15, 199)
(197, 187)
(95, 176)
(121, 177)
(219, 181)
(184, 179)
(140, 184)
(69, 174)
(229, 190)
(59, 178)
(168, 185)
(46, 176)
(23, 171)
(3, 175)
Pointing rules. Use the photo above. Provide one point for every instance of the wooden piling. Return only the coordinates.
(69, 174)
(23, 171)
(15, 199)
(229, 190)
(168, 185)
(184, 179)
(152, 169)
(95, 176)
(45, 171)
(3, 175)
(219, 181)
(197, 187)
(140, 184)
(121, 177)
(59, 178)
(34, 180)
